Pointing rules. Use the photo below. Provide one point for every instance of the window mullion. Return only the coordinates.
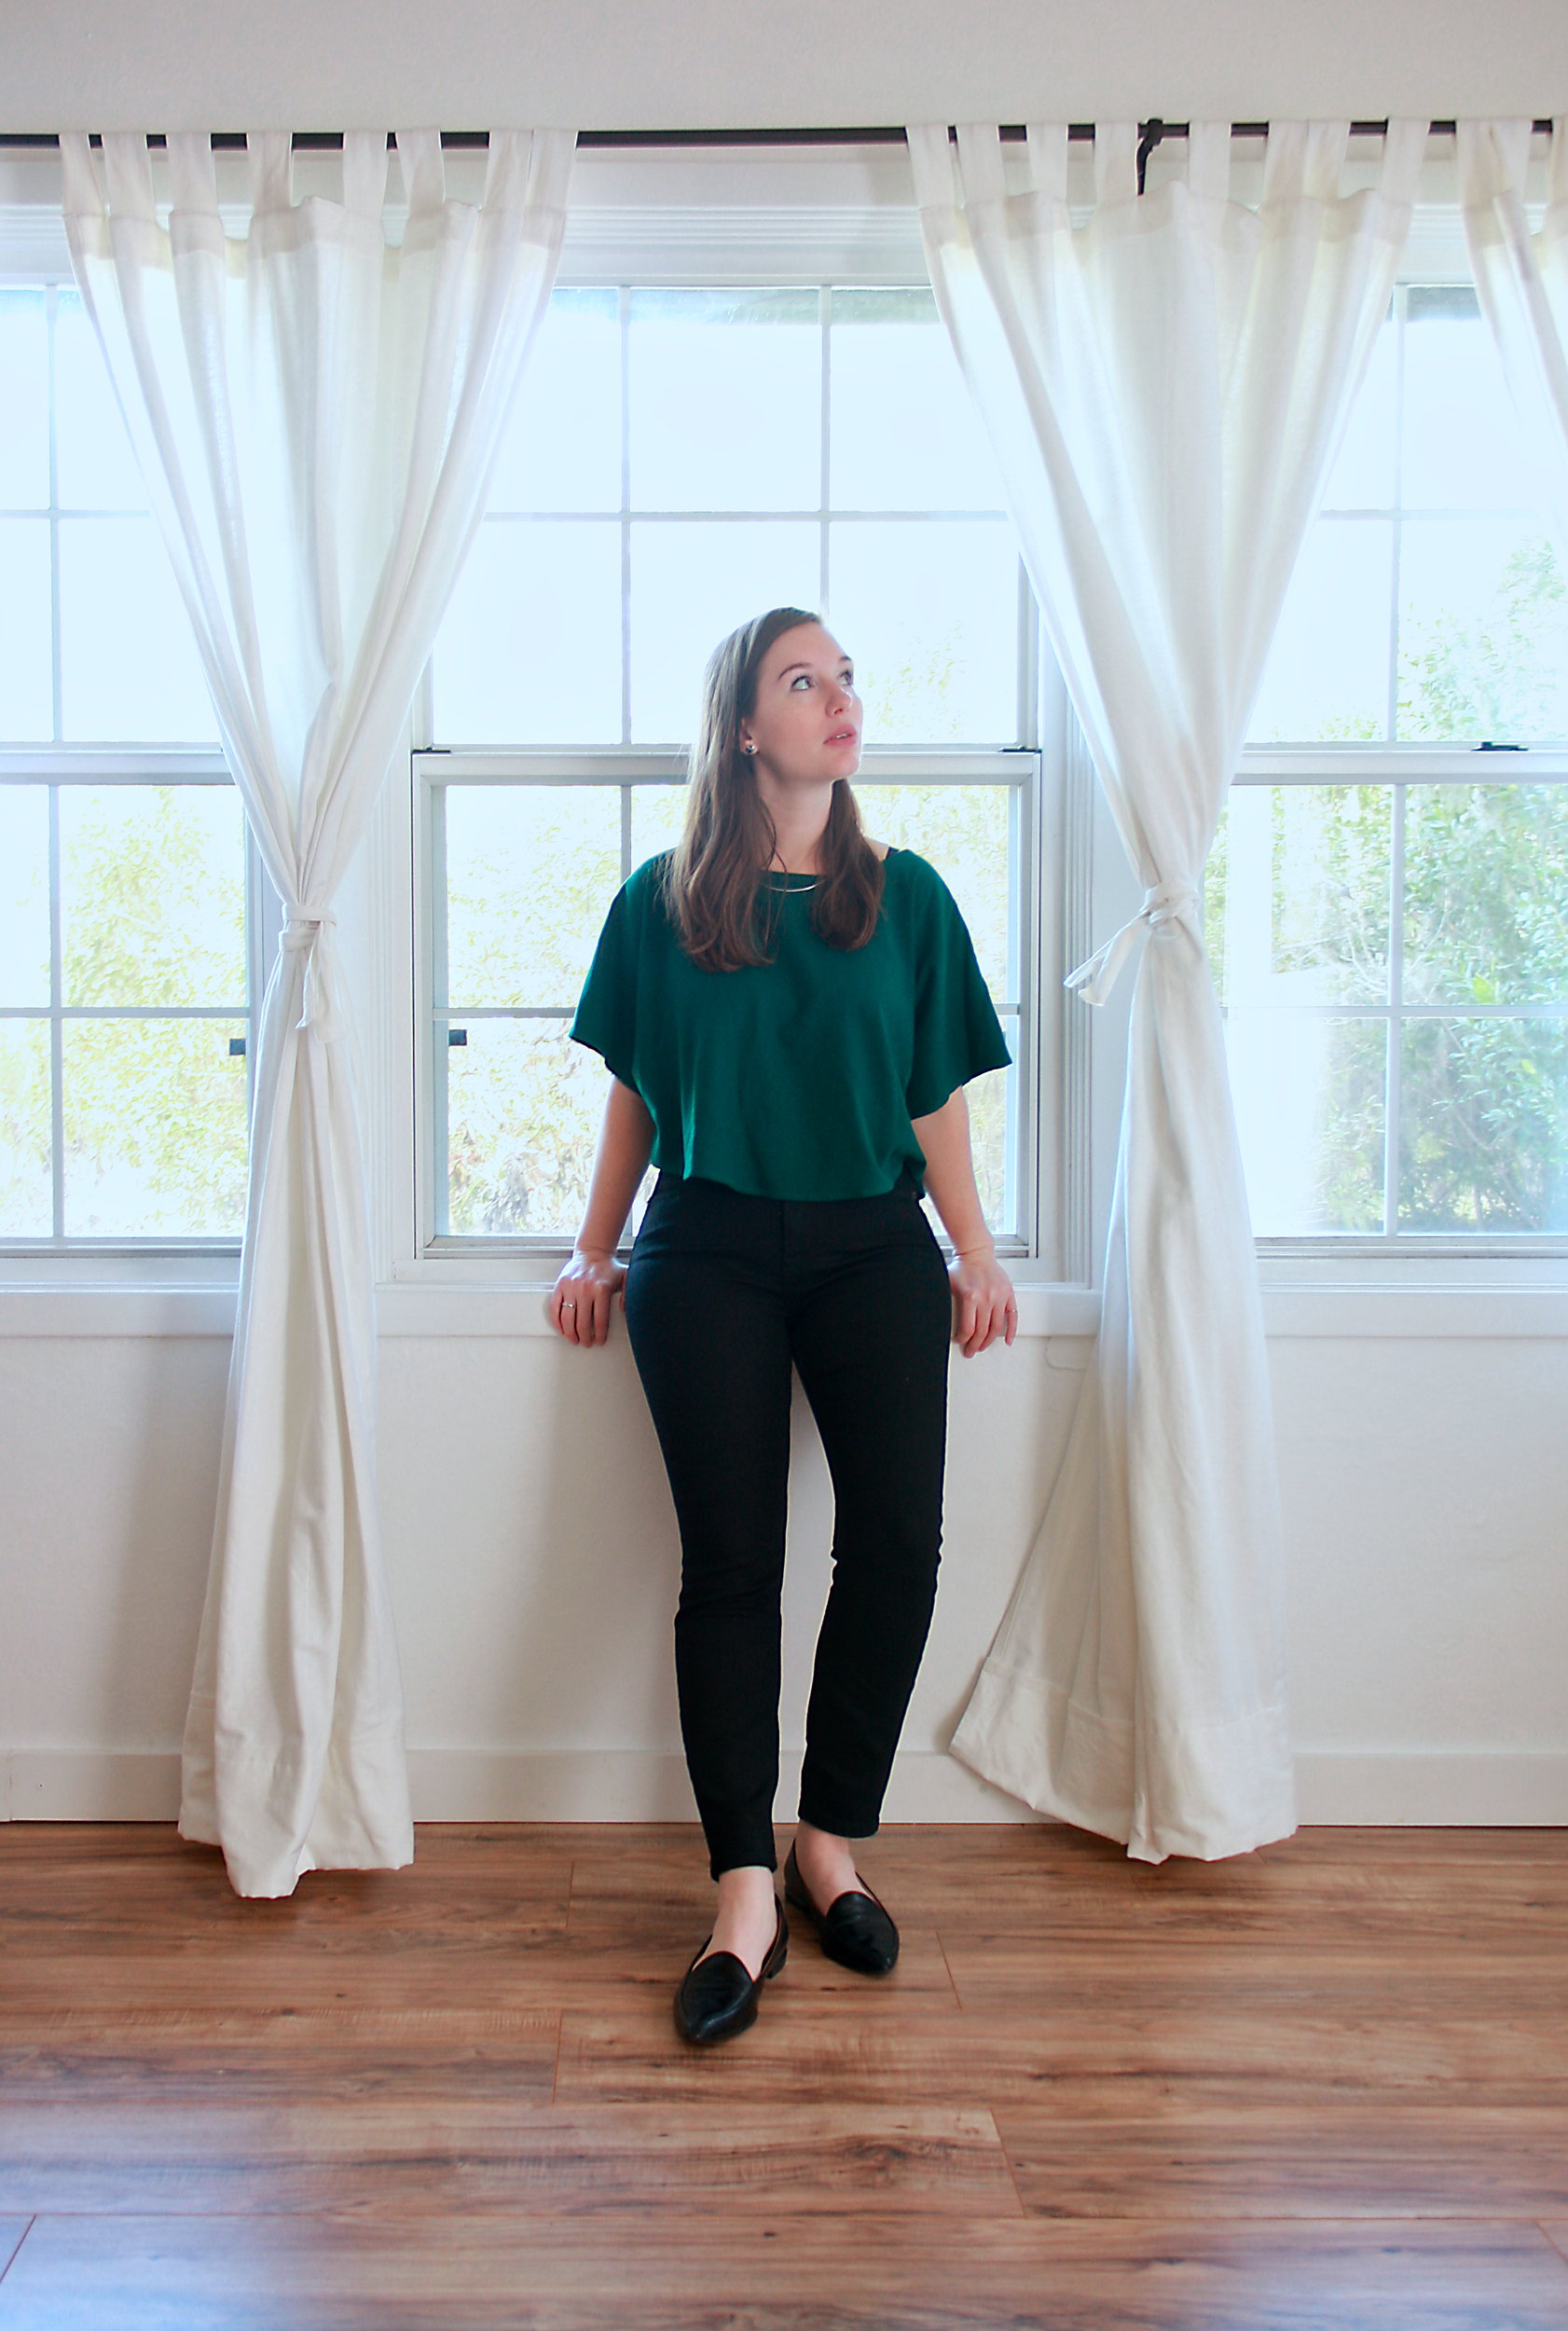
(52, 305)
(57, 1030)
(1396, 548)
(1392, 1067)
(436, 1031)
(624, 320)
(825, 319)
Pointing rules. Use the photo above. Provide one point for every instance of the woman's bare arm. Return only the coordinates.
(580, 1303)
(984, 1304)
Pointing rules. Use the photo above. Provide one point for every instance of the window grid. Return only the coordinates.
(1012, 767)
(55, 514)
(645, 762)
(824, 517)
(1361, 766)
(1398, 768)
(1399, 513)
(57, 1014)
(56, 766)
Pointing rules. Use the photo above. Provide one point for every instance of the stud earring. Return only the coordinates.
(752, 749)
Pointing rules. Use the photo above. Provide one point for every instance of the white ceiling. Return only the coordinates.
(332, 65)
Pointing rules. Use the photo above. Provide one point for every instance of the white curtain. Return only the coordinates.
(316, 411)
(1165, 386)
(1521, 280)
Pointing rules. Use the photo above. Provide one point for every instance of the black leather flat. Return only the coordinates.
(717, 1996)
(854, 1929)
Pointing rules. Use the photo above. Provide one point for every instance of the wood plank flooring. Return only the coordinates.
(1325, 2085)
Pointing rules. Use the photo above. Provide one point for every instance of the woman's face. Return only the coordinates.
(805, 723)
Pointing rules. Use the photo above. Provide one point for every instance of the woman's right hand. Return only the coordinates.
(578, 1305)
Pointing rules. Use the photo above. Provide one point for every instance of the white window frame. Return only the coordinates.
(1016, 766)
(1508, 1256)
(798, 218)
(33, 256)
(65, 1257)
(1436, 254)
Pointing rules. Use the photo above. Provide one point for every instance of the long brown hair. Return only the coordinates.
(713, 874)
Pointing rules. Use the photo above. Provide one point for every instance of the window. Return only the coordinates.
(683, 457)
(1385, 900)
(126, 977)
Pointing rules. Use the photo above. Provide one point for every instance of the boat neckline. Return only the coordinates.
(784, 877)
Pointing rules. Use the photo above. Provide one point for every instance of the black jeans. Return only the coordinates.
(723, 1291)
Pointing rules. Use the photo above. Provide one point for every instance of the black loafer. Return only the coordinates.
(717, 1996)
(854, 1929)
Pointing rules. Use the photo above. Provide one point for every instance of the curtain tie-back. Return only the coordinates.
(1166, 903)
(311, 935)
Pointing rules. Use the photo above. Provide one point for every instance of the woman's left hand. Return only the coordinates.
(983, 1304)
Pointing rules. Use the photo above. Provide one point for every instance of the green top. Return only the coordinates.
(798, 1077)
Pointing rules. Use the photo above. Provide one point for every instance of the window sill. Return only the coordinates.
(440, 1310)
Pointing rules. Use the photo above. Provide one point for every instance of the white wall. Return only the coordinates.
(533, 1560)
(299, 65)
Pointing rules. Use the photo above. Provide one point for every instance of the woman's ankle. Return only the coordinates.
(749, 1883)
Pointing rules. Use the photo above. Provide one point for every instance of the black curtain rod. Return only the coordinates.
(631, 140)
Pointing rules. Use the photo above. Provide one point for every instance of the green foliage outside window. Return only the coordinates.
(1482, 1144)
(152, 892)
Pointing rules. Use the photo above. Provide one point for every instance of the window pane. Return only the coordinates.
(530, 871)
(1486, 894)
(1311, 1106)
(129, 667)
(992, 1102)
(726, 400)
(1483, 632)
(152, 894)
(1327, 676)
(529, 652)
(97, 468)
(562, 447)
(1297, 895)
(26, 686)
(24, 894)
(658, 816)
(26, 1207)
(965, 831)
(929, 613)
(155, 1129)
(523, 1110)
(1462, 446)
(1362, 477)
(1483, 1134)
(24, 402)
(904, 433)
(692, 582)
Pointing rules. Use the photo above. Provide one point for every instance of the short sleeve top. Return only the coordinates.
(797, 1078)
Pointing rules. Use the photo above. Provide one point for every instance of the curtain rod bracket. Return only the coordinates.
(1154, 131)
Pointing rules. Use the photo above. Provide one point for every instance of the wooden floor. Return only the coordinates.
(1325, 2085)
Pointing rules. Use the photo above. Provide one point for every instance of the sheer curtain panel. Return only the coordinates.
(316, 411)
(1521, 280)
(1164, 385)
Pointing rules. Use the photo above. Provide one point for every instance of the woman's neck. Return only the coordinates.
(800, 820)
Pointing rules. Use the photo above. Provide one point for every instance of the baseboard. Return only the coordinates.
(90, 1785)
(630, 1785)
(1336, 1787)
(483, 1784)
(1438, 1788)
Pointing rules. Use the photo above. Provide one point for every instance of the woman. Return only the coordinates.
(790, 1012)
